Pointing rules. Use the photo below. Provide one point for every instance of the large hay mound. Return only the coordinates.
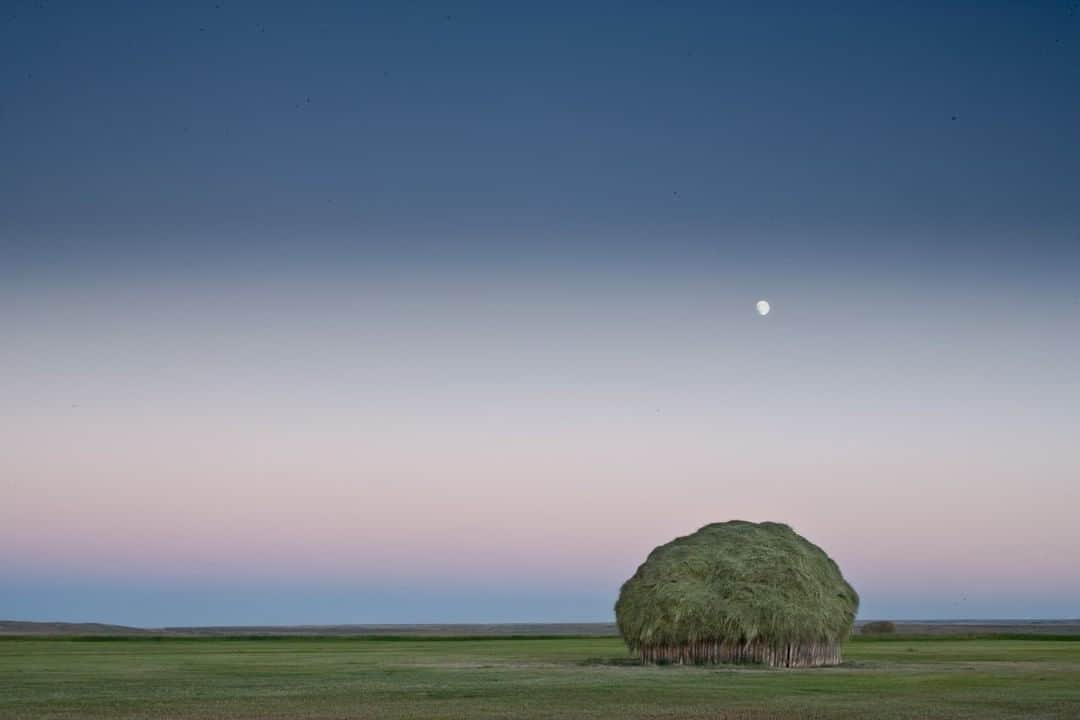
(738, 592)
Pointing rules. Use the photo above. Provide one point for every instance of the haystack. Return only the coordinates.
(738, 592)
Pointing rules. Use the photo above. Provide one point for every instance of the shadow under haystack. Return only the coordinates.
(738, 592)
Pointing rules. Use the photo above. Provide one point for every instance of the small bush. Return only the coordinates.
(879, 627)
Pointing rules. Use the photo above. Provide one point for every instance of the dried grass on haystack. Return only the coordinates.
(738, 592)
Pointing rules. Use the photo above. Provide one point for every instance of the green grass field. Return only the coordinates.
(527, 678)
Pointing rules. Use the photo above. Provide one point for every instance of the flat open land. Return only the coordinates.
(526, 677)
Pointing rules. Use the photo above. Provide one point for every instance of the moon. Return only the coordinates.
(763, 307)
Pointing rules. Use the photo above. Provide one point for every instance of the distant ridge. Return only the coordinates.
(22, 628)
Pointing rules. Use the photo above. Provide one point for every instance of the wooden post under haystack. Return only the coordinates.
(714, 652)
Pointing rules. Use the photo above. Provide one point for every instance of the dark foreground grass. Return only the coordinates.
(528, 678)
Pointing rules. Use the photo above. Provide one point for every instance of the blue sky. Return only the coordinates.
(407, 312)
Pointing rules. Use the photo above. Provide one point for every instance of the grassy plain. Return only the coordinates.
(324, 678)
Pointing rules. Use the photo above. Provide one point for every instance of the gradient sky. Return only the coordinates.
(411, 312)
